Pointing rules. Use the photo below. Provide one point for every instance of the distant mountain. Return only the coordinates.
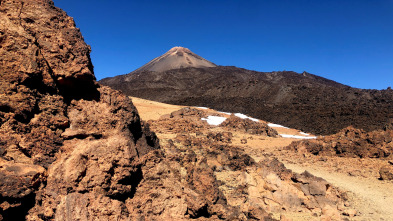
(175, 58)
(303, 101)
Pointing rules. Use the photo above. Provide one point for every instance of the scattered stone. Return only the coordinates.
(386, 173)
(330, 213)
(350, 212)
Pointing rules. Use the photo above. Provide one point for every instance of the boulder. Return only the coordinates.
(386, 172)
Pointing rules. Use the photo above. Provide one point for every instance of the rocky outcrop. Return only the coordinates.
(63, 138)
(249, 126)
(350, 142)
(251, 190)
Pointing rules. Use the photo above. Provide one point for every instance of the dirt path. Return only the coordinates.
(372, 198)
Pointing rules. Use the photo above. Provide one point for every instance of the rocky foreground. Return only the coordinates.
(363, 183)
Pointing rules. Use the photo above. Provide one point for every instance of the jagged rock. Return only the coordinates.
(225, 137)
(386, 172)
(63, 138)
(249, 126)
(18, 184)
(188, 112)
(180, 125)
(349, 142)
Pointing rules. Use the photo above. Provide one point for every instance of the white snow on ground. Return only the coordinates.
(276, 125)
(296, 136)
(224, 112)
(243, 116)
(214, 120)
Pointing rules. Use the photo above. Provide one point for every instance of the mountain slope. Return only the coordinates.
(177, 57)
(302, 101)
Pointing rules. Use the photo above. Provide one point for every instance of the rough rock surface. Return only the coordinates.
(386, 172)
(249, 126)
(63, 138)
(255, 190)
(350, 142)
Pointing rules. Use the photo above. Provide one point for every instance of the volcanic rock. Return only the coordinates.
(249, 126)
(63, 138)
(255, 188)
(350, 142)
(386, 172)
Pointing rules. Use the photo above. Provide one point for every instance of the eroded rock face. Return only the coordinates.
(249, 126)
(350, 142)
(63, 138)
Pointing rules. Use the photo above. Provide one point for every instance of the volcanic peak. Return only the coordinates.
(177, 57)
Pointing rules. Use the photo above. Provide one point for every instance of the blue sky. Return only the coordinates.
(349, 41)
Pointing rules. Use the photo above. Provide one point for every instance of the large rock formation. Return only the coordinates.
(63, 138)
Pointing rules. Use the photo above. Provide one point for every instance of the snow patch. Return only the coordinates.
(276, 125)
(243, 116)
(302, 133)
(296, 136)
(224, 112)
(214, 120)
(205, 108)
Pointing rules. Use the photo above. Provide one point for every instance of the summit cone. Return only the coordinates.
(175, 58)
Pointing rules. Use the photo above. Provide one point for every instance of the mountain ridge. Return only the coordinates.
(303, 101)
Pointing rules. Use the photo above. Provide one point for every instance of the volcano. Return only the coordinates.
(175, 58)
(299, 100)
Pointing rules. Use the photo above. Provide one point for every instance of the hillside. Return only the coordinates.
(302, 101)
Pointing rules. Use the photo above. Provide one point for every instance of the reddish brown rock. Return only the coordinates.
(225, 137)
(249, 126)
(386, 172)
(350, 142)
(188, 112)
(62, 136)
(18, 184)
